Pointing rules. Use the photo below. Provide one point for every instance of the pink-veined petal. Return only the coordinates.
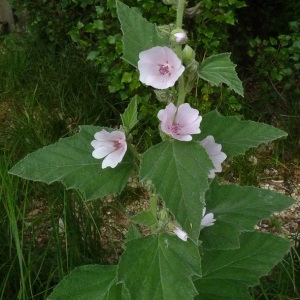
(183, 138)
(166, 116)
(150, 62)
(114, 158)
(109, 145)
(103, 150)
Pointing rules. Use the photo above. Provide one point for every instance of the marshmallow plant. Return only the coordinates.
(201, 242)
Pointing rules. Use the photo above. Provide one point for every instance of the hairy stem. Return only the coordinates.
(179, 19)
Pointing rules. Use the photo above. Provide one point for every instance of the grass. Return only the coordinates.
(283, 281)
(43, 97)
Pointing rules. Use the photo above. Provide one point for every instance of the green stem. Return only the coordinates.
(180, 11)
(179, 19)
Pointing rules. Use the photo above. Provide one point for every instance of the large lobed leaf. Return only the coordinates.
(138, 33)
(221, 289)
(70, 161)
(218, 69)
(159, 267)
(92, 282)
(238, 209)
(235, 270)
(179, 172)
(237, 136)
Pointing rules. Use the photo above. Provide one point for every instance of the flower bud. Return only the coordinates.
(164, 95)
(165, 30)
(191, 75)
(178, 36)
(188, 55)
(163, 215)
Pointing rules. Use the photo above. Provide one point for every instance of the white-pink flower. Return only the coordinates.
(180, 37)
(181, 234)
(111, 145)
(159, 67)
(207, 220)
(214, 152)
(180, 122)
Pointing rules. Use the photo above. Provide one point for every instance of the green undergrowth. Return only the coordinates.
(46, 231)
(44, 95)
(283, 281)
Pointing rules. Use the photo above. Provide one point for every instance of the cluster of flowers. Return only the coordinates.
(160, 68)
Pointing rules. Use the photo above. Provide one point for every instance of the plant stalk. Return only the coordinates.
(179, 20)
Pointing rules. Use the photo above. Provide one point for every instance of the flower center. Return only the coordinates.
(118, 144)
(164, 69)
(175, 128)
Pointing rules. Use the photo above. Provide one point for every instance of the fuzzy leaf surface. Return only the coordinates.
(226, 290)
(93, 282)
(237, 209)
(70, 161)
(138, 33)
(179, 172)
(145, 218)
(237, 136)
(218, 69)
(159, 267)
(132, 233)
(258, 253)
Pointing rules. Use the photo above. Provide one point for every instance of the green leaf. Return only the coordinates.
(226, 290)
(259, 252)
(145, 218)
(132, 234)
(237, 209)
(179, 172)
(233, 271)
(159, 267)
(237, 136)
(129, 117)
(93, 282)
(138, 33)
(218, 69)
(70, 161)
(220, 236)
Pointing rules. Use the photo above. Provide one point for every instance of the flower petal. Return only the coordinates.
(207, 220)
(111, 146)
(180, 122)
(181, 234)
(150, 62)
(114, 158)
(214, 152)
(166, 116)
(186, 114)
(103, 150)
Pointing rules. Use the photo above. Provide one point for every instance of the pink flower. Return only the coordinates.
(181, 234)
(180, 37)
(180, 122)
(111, 145)
(159, 67)
(207, 220)
(214, 152)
